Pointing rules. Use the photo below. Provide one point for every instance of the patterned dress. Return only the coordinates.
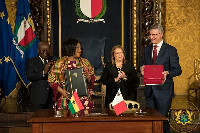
(56, 78)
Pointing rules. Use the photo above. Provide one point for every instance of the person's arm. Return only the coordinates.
(143, 62)
(89, 74)
(175, 68)
(131, 76)
(55, 83)
(32, 72)
(106, 77)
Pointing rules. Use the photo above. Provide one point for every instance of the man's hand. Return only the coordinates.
(142, 70)
(165, 74)
(47, 67)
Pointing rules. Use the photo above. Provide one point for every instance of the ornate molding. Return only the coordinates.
(36, 11)
(134, 32)
(48, 22)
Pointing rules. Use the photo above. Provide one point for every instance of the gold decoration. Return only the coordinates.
(8, 21)
(1, 61)
(75, 75)
(48, 22)
(30, 21)
(11, 6)
(134, 31)
(2, 15)
(7, 59)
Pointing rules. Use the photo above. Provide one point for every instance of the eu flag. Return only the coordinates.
(8, 75)
(25, 39)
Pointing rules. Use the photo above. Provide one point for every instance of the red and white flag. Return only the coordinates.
(118, 103)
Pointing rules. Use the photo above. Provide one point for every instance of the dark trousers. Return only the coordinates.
(43, 106)
(47, 105)
(161, 105)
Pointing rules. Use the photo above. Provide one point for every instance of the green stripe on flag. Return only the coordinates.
(28, 46)
(71, 108)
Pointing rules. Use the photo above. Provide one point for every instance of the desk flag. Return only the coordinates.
(118, 103)
(8, 75)
(75, 104)
(25, 40)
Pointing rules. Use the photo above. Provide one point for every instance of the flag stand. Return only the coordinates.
(76, 114)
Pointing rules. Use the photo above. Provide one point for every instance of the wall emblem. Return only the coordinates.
(184, 119)
(90, 11)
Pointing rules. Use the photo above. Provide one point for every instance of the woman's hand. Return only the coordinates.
(64, 93)
(86, 74)
(121, 75)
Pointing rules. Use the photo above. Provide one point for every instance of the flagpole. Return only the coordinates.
(59, 13)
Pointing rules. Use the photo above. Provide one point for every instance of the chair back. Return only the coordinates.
(131, 105)
(197, 69)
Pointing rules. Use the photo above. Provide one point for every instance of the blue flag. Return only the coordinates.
(8, 75)
(25, 40)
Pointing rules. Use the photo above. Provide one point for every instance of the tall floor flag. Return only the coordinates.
(118, 103)
(8, 76)
(25, 40)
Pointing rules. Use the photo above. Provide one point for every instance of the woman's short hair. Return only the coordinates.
(69, 47)
(113, 52)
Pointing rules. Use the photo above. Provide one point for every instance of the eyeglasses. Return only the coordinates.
(119, 53)
(78, 47)
(153, 35)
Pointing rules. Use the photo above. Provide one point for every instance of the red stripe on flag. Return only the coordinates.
(120, 107)
(78, 102)
(96, 6)
(29, 36)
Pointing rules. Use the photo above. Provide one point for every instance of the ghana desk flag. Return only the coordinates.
(8, 76)
(25, 39)
(75, 104)
(118, 103)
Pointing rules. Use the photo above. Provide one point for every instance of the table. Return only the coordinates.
(97, 121)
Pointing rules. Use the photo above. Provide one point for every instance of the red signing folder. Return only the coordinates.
(153, 74)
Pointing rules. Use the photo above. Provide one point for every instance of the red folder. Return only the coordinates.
(153, 74)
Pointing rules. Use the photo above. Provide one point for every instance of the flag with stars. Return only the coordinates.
(8, 75)
(118, 103)
(25, 40)
(75, 104)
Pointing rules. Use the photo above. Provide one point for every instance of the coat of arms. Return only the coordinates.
(90, 10)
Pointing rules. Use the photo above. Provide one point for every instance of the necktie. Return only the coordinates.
(154, 53)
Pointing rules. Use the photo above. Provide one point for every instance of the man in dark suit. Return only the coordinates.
(160, 96)
(37, 69)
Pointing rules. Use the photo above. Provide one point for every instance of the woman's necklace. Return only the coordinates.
(119, 64)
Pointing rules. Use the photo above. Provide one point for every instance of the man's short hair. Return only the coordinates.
(157, 26)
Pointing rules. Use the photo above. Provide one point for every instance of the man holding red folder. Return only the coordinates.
(160, 53)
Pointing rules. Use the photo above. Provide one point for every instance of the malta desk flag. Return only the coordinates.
(75, 104)
(118, 103)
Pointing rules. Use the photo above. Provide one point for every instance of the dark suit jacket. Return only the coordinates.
(168, 57)
(40, 87)
(126, 86)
